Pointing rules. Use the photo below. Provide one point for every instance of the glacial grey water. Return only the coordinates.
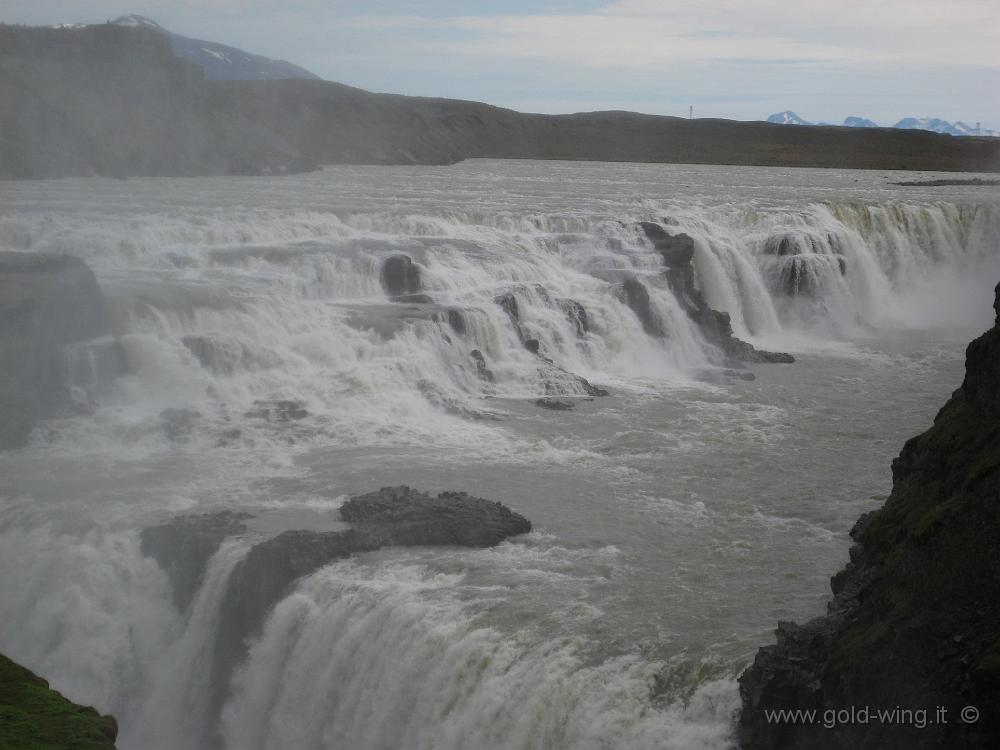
(676, 521)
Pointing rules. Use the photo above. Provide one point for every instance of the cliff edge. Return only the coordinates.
(33, 716)
(908, 654)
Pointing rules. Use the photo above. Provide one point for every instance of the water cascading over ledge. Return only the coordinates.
(356, 315)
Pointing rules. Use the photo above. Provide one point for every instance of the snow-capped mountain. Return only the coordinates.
(787, 118)
(859, 122)
(219, 61)
(933, 124)
(937, 125)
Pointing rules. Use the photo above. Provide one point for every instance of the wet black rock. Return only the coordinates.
(677, 250)
(634, 294)
(183, 545)
(592, 390)
(577, 315)
(392, 516)
(715, 325)
(454, 403)
(47, 302)
(800, 275)
(532, 345)
(278, 411)
(407, 516)
(915, 618)
(457, 321)
(781, 244)
(400, 275)
(555, 404)
(413, 299)
(508, 302)
(482, 370)
(557, 375)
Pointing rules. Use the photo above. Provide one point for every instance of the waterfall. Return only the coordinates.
(214, 314)
(262, 329)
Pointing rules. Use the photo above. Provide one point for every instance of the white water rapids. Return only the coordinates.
(676, 520)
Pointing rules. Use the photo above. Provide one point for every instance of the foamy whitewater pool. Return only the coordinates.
(676, 520)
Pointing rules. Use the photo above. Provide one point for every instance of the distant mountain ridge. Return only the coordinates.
(117, 100)
(930, 124)
(219, 61)
(787, 118)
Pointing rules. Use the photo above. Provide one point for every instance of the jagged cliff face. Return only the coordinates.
(115, 101)
(915, 619)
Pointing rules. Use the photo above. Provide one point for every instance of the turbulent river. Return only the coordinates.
(675, 520)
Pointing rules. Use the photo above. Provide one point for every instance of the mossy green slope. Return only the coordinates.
(35, 717)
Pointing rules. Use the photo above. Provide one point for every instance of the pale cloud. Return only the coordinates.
(649, 33)
(733, 58)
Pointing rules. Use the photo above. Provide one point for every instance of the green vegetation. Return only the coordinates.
(35, 717)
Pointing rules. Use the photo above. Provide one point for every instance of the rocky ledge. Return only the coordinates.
(914, 624)
(677, 251)
(33, 716)
(392, 516)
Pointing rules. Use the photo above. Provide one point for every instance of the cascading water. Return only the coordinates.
(280, 344)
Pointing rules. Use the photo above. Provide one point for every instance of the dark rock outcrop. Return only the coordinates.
(798, 261)
(457, 321)
(400, 276)
(413, 299)
(33, 716)
(482, 370)
(634, 294)
(508, 302)
(47, 302)
(183, 545)
(555, 404)
(407, 517)
(453, 403)
(392, 516)
(677, 251)
(915, 618)
(577, 315)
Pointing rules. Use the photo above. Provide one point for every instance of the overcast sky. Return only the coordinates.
(883, 59)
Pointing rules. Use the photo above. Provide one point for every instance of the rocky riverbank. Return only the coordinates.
(914, 625)
(35, 717)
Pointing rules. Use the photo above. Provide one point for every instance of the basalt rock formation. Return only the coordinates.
(33, 716)
(914, 623)
(392, 516)
(46, 303)
(677, 251)
(115, 101)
